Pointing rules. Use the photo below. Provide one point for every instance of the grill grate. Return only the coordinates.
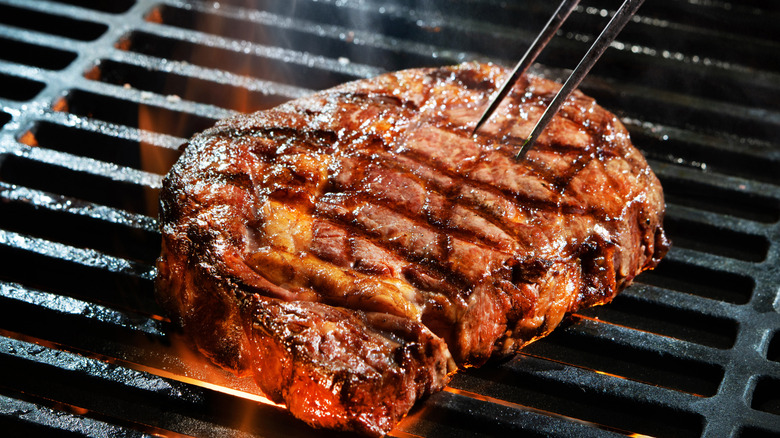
(96, 97)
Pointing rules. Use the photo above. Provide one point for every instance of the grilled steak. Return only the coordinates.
(353, 248)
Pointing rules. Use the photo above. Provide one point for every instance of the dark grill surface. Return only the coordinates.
(96, 96)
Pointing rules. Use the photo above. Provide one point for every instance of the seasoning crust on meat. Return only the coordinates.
(353, 248)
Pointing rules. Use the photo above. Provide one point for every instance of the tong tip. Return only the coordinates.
(479, 124)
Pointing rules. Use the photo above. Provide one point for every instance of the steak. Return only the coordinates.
(354, 248)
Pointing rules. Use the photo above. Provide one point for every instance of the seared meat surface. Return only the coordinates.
(353, 248)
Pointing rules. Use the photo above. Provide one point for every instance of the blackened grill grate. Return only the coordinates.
(95, 98)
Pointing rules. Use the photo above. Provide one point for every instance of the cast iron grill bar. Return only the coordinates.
(20, 417)
(185, 72)
(145, 401)
(710, 311)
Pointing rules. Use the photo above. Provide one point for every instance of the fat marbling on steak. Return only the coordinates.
(353, 248)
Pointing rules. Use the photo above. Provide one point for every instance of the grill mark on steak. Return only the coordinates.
(424, 244)
(455, 190)
(418, 218)
(346, 246)
(366, 215)
(410, 255)
(487, 182)
(286, 136)
(343, 254)
(390, 184)
(412, 166)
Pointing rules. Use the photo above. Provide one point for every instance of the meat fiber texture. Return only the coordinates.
(354, 248)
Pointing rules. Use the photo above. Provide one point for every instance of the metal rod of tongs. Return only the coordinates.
(613, 28)
(544, 37)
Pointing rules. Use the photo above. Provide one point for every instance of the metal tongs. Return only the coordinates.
(613, 28)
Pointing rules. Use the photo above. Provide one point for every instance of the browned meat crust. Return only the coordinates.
(350, 248)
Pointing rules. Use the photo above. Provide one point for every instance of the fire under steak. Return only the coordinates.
(354, 248)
